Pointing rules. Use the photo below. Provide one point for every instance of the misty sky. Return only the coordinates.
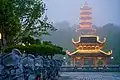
(104, 11)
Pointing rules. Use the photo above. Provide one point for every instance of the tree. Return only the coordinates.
(23, 19)
(9, 21)
(31, 15)
(38, 49)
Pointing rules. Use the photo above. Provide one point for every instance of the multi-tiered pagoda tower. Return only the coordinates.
(88, 46)
(86, 20)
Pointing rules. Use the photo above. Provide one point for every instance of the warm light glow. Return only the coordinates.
(101, 41)
(99, 57)
(80, 47)
(78, 57)
(23, 44)
(94, 36)
(88, 47)
(75, 42)
(109, 53)
(69, 53)
(85, 26)
(90, 10)
(0, 36)
(85, 21)
(98, 46)
(88, 51)
(85, 16)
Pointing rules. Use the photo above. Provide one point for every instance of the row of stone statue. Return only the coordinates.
(17, 66)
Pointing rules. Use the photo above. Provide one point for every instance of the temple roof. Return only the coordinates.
(85, 23)
(89, 39)
(91, 55)
(99, 53)
(85, 6)
(85, 13)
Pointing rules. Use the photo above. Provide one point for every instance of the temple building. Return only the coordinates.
(89, 45)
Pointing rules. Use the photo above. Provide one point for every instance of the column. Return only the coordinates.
(95, 62)
(104, 60)
(82, 61)
(92, 59)
(74, 61)
(79, 61)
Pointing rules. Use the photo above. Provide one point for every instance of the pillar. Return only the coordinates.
(82, 61)
(74, 61)
(79, 61)
(95, 62)
(91, 61)
(104, 60)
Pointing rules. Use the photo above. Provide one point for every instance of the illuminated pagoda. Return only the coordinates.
(86, 20)
(89, 45)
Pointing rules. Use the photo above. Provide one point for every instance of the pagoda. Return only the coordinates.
(89, 45)
(86, 20)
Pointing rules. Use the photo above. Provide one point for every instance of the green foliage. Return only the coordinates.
(31, 15)
(9, 21)
(38, 49)
(21, 19)
(30, 40)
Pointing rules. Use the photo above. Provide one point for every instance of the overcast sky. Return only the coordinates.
(104, 11)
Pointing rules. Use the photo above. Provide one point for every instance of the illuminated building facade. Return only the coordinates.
(88, 46)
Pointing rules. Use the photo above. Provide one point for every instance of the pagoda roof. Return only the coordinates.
(85, 18)
(85, 13)
(89, 39)
(85, 6)
(98, 53)
(85, 23)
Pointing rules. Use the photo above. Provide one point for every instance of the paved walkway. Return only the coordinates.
(89, 76)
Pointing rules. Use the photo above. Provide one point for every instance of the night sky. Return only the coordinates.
(104, 11)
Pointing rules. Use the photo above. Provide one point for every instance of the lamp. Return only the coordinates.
(0, 36)
(1, 41)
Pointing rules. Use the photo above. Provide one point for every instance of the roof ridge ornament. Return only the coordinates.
(86, 4)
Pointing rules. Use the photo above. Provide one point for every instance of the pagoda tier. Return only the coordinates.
(89, 53)
(89, 45)
(85, 7)
(86, 20)
(86, 17)
(89, 42)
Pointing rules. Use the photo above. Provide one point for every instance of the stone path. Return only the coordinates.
(89, 76)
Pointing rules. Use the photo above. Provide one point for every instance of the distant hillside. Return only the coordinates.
(65, 33)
